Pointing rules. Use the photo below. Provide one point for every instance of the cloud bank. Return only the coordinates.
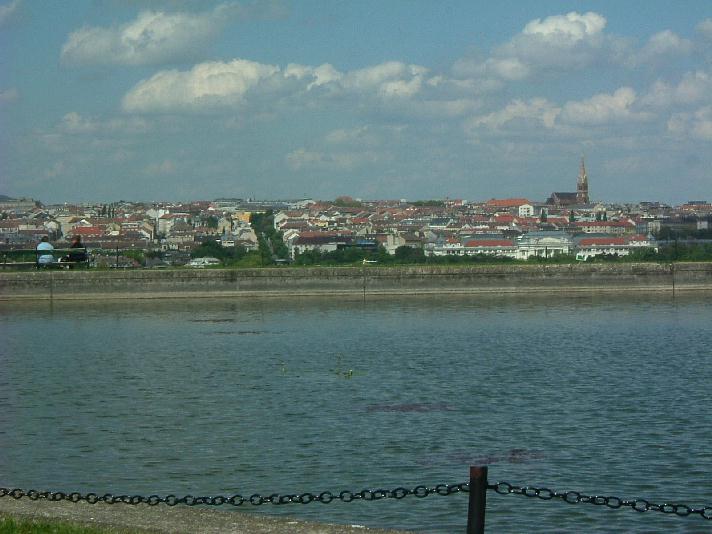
(241, 84)
(153, 38)
(7, 11)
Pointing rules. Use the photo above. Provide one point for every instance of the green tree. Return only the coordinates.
(308, 257)
(210, 248)
(347, 202)
(407, 254)
(213, 249)
(270, 241)
(136, 255)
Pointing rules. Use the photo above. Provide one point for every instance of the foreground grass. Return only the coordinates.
(12, 525)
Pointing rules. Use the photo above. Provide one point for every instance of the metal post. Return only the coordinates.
(478, 500)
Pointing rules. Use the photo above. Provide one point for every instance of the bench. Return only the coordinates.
(60, 258)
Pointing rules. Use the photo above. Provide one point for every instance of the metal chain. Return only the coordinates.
(574, 497)
(325, 497)
(256, 499)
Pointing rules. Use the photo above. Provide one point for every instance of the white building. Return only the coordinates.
(590, 247)
(544, 244)
(526, 210)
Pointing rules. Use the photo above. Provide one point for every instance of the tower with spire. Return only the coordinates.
(582, 185)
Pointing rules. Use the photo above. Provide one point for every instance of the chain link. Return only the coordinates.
(574, 497)
(256, 499)
(326, 497)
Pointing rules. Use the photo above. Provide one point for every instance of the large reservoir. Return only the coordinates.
(600, 394)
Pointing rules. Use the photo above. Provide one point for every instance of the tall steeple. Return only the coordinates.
(582, 185)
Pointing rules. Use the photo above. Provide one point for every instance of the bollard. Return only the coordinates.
(478, 500)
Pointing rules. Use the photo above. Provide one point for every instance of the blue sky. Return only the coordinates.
(104, 100)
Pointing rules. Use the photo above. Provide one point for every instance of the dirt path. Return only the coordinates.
(124, 518)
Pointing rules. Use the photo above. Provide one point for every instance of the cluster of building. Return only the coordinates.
(566, 223)
(466, 229)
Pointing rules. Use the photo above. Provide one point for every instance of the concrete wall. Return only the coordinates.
(354, 281)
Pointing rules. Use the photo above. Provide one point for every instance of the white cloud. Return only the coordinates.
(533, 113)
(165, 167)
(318, 76)
(360, 135)
(57, 169)
(391, 87)
(336, 161)
(7, 11)
(693, 88)
(510, 69)
(368, 136)
(572, 41)
(566, 43)
(539, 118)
(207, 85)
(603, 109)
(8, 95)
(705, 28)
(301, 157)
(442, 109)
(390, 79)
(154, 37)
(566, 29)
(75, 123)
(663, 45)
(697, 125)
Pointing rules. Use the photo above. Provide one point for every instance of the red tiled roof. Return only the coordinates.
(87, 230)
(507, 202)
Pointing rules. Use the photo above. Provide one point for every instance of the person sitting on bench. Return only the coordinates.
(45, 259)
(76, 256)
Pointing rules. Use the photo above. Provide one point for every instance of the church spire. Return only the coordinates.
(582, 185)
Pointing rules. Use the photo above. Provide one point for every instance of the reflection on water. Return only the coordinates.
(599, 395)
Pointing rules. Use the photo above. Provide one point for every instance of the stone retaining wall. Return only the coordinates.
(420, 279)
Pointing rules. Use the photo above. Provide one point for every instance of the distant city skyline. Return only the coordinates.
(179, 99)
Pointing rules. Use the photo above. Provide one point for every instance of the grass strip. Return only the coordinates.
(14, 525)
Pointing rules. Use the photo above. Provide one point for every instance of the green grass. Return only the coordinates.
(11, 525)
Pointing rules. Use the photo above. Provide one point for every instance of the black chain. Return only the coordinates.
(256, 499)
(574, 497)
(325, 497)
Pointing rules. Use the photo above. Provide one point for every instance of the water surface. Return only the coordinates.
(602, 395)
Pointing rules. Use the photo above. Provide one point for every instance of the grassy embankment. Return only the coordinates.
(11, 525)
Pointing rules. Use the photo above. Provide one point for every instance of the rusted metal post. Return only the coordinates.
(478, 500)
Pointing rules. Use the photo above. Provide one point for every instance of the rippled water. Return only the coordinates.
(598, 395)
